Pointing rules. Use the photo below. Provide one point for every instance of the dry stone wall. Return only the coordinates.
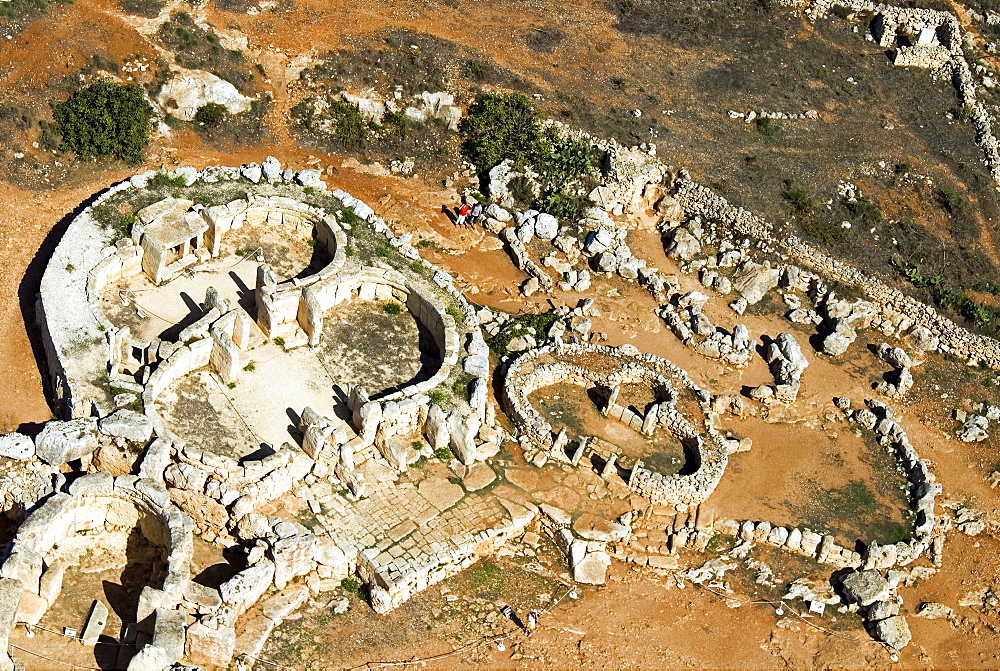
(526, 374)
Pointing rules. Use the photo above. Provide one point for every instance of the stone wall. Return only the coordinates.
(71, 522)
(699, 200)
(525, 375)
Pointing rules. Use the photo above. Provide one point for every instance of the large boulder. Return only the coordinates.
(865, 587)
(837, 342)
(893, 631)
(753, 280)
(127, 424)
(60, 442)
(684, 245)
(16, 446)
(592, 569)
(186, 92)
(546, 226)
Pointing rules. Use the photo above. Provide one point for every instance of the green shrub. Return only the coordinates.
(541, 323)
(343, 127)
(105, 119)
(767, 127)
(211, 114)
(392, 308)
(867, 210)
(351, 585)
(799, 201)
(502, 126)
(437, 396)
(952, 200)
(443, 453)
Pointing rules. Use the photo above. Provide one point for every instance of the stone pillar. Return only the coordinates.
(609, 466)
(242, 329)
(578, 454)
(266, 284)
(225, 356)
(310, 316)
(559, 442)
(649, 423)
(314, 440)
(613, 398)
(10, 596)
(634, 472)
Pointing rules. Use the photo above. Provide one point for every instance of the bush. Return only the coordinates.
(799, 201)
(443, 453)
(350, 585)
(502, 126)
(342, 124)
(392, 308)
(211, 114)
(105, 119)
(952, 200)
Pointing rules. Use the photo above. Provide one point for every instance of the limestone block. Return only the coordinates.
(127, 424)
(92, 482)
(592, 527)
(150, 658)
(327, 553)
(247, 586)
(254, 635)
(155, 460)
(480, 475)
(893, 631)
(96, 621)
(292, 557)
(16, 446)
(810, 542)
(436, 428)
(278, 607)
(477, 365)
(31, 608)
(59, 442)
(25, 565)
(865, 587)
(168, 632)
(50, 584)
(592, 569)
(463, 439)
(210, 647)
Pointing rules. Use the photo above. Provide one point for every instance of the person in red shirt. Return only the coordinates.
(463, 213)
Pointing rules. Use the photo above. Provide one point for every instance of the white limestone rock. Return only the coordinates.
(546, 226)
(191, 89)
(16, 446)
(127, 424)
(60, 442)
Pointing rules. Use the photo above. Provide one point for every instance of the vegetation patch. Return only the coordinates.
(105, 119)
(506, 126)
(199, 48)
(535, 324)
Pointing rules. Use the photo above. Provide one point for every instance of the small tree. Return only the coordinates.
(105, 119)
(502, 126)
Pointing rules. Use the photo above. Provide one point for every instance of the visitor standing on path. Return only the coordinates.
(477, 212)
(463, 214)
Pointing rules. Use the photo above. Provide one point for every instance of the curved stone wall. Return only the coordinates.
(94, 504)
(525, 375)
